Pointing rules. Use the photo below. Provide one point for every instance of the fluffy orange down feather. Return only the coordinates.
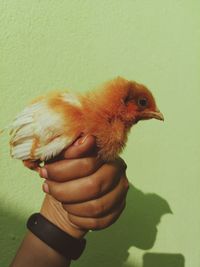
(107, 113)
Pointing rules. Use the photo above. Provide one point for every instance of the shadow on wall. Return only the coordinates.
(108, 248)
(137, 227)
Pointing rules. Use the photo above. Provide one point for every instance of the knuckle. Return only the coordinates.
(97, 208)
(122, 166)
(100, 209)
(94, 224)
(94, 187)
(105, 223)
(87, 163)
(92, 208)
(126, 184)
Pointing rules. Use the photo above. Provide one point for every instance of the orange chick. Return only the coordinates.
(53, 122)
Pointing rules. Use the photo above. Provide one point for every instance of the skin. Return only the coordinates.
(82, 193)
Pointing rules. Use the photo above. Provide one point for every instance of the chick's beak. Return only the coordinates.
(153, 115)
(157, 115)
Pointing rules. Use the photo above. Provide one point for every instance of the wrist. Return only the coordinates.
(34, 252)
(53, 211)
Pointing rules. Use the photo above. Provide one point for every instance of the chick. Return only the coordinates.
(53, 122)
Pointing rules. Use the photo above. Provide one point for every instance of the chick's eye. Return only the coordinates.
(142, 102)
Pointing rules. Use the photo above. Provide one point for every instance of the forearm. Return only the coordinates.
(34, 252)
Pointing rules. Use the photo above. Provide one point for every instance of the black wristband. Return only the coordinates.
(54, 237)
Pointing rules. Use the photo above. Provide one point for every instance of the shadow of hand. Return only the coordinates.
(136, 227)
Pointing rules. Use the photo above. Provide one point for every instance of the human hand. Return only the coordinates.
(83, 193)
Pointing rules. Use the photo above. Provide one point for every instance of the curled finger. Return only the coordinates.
(100, 206)
(66, 170)
(97, 223)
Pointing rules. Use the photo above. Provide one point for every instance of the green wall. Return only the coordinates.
(48, 44)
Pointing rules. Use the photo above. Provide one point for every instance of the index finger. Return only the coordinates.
(84, 146)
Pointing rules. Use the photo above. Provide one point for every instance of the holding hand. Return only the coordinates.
(83, 192)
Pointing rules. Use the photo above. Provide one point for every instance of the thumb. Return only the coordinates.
(83, 147)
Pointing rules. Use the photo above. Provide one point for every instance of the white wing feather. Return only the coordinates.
(39, 122)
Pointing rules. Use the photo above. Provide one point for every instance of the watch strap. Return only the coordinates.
(54, 237)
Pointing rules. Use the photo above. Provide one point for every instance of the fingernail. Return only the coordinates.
(80, 141)
(45, 188)
(43, 173)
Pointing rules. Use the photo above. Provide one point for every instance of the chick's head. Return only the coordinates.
(139, 104)
(131, 102)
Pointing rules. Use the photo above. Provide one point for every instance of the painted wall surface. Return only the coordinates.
(47, 45)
